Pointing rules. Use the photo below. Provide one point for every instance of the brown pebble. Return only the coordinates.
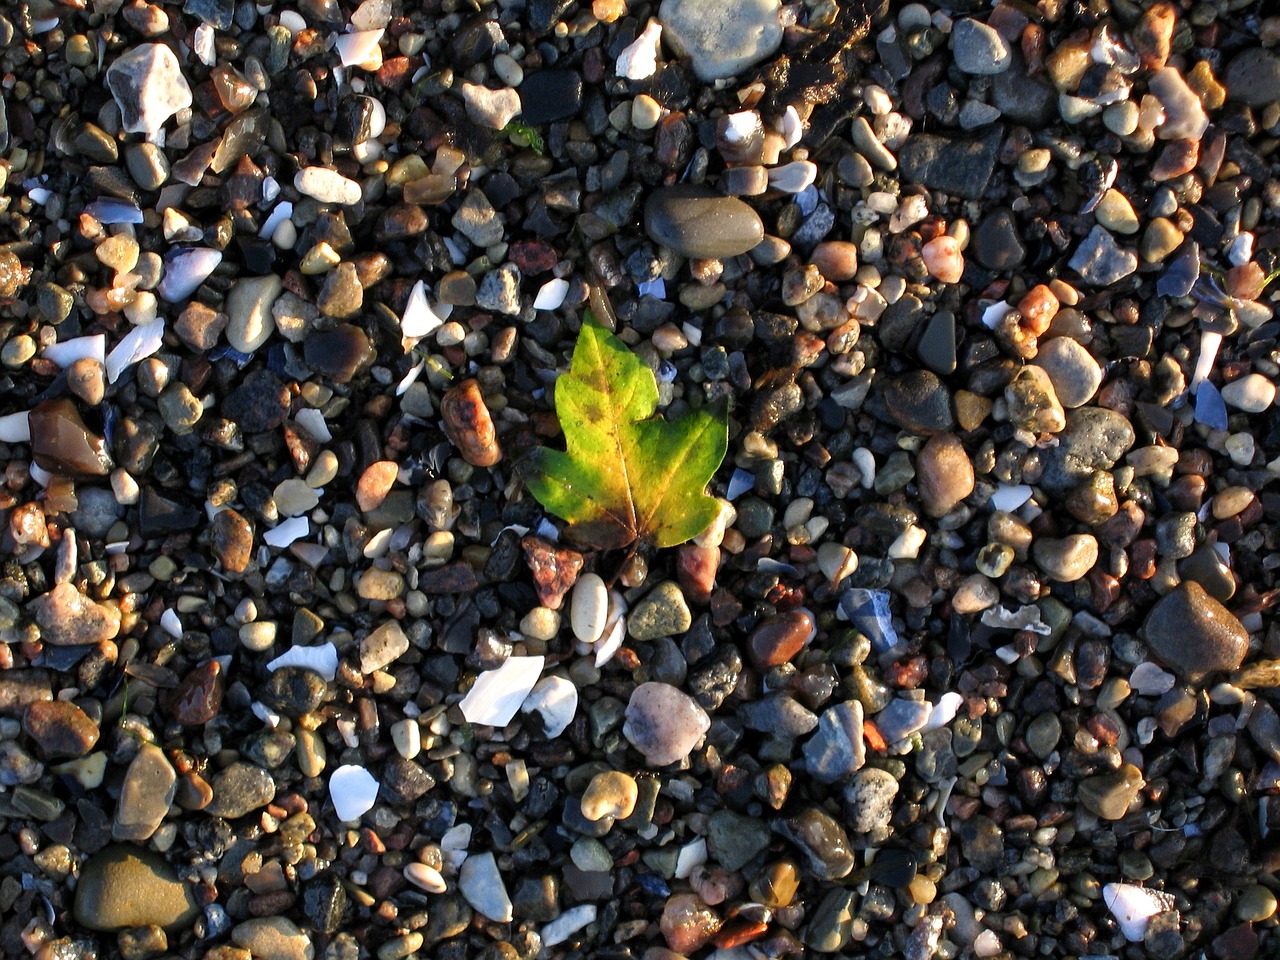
(374, 484)
(198, 696)
(469, 425)
(776, 640)
(232, 541)
(59, 728)
(62, 444)
(68, 618)
(86, 379)
(555, 569)
(944, 474)
(696, 571)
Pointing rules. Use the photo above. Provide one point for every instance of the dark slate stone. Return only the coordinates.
(955, 166)
(550, 95)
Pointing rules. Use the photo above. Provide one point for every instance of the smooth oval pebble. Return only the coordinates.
(610, 794)
(697, 222)
(664, 723)
(588, 607)
(777, 639)
(1194, 634)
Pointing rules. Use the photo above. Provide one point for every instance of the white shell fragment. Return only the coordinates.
(148, 86)
(138, 344)
(327, 186)
(1010, 497)
(1133, 907)
(353, 790)
(497, 694)
(691, 856)
(418, 319)
(184, 270)
(568, 923)
(322, 660)
(639, 60)
(67, 352)
(286, 532)
(360, 49)
(555, 699)
(551, 294)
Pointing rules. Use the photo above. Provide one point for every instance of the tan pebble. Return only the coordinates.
(944, 474)
(469, 425)
(971, 409)
(836, 260)
(1230, 502)
(1038, 307)
(610, 794)
(374, 484)
(943, 259)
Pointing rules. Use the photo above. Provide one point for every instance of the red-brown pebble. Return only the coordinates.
(555, 569)
(60, 729)
(696, 571)
(198, 697)
(469, 425)
(232, 541)
(778, 639)
(687, 923)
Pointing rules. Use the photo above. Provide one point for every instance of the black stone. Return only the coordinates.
(159, 515)
(324, 904)
(960, 167)
(259, 403)
(996, 244)
(550, 95)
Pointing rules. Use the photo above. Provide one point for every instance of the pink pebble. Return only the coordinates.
(943, 260)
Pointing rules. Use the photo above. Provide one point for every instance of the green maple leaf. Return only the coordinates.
(626, 475)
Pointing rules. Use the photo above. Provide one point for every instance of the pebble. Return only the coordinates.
(610, 794)
(327, 186)
(1253, 77)
(197, 698)
(697, 222)
(250, 322)
(944, 474)
(722, 38)
(145, 796)
(480, 882)
(1094, 438)
(273, 938)
(240, 789)
(62, 444)
(662, 613)
(664, 723)
(1252, 393)
(1133, 907)
(555, 700)
(1067, 559)
(148, 86)
(943, 259)
(1072, 369)
(469, 425)
(568, 923)
(978, 49)
(68, 618)
(1108, 795)
(837, 749)
(1185, 118)
(59, 728)
(124, 886)
(901, 718)
(868, 801)
(588, 607)
(382, 646)
(956, 166)
(1100, 261)
(1115, 212)
(490, 108)
(776, 640)
(231, 537)
(185, 268)
(1194, 634)
(550, 95)
(920, 402)
(821, 840)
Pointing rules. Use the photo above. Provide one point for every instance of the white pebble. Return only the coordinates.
(360, 49)
(15, 428)
(1251, 393)
(691, 855)
(1133, 907)
(138, 344)
(567, 924)
(418, 319)
(425, 878)
(184, 270)
(287, 532)
(588, 607)
(327, 186)
(551, 294)
(639, 60)
(793, 177)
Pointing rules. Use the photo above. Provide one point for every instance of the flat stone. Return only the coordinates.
(722, 38)
(664, 723)
(480, 882)
(955, 166)
(1075, 374)
(697, 222)
(1194, 634)
(123, 886)
(937, 346)
(62, 444)
(241, 789)
(837, 750)
(1253, 77)
(1100, 261)
(550, 95)
(149, 787)
(977, 48)
(1093, 439)
(997, 242)
(273, 938)
(920, 402)
(382, 647)
(68, 618)
(821, 839)
(1108, 795)
(734, 840)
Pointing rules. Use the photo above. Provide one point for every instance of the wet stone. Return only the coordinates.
(126, 886)
(469, 425)
(1108, 795)
(240, 789)
(694, 221)
(821, 840)
(1194, 634)
(62, 444)
(920, 402)
(59, 728)
(778, 639)
(550, 95)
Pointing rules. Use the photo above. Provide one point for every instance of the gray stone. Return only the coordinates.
(149, 787)
(956, 166)
(481, 884)
(1094, 439)
(734, 839)
(1027, 100)
(1100, 261)
(239, 790)
(722, 38)
(978, 48)
(1253, 77)
(837, 749)
(695, 221)
(477, 220)
(868, 799)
